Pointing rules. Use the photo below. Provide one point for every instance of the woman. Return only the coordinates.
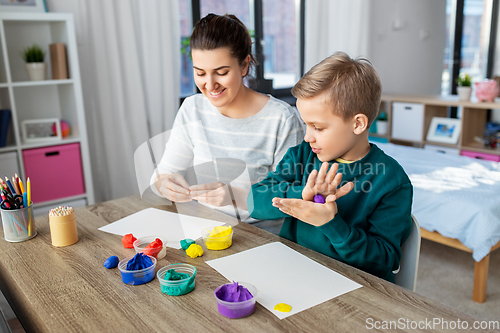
(227, 121)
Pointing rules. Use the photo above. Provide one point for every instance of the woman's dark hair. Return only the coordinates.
(216, 31)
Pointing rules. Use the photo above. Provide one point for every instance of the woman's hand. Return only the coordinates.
(173, 187)
(215, 194)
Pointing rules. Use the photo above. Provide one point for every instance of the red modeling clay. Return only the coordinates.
(154, 248)
(128, 241)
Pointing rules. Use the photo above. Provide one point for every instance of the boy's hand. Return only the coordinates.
(322, 182)
(173, 187)
(215, 194)
(310, 212)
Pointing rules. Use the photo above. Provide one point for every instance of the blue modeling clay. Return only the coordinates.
(186, 243)
(139, 261)
(111, 262)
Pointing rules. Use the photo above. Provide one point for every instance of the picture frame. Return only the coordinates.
(41, 130)
(444, 130)
(23, 6)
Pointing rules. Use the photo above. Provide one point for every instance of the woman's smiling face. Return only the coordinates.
(218, 75)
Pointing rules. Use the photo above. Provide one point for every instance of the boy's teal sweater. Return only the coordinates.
(372, 222)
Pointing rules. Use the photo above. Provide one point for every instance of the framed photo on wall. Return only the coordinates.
(444, 130)
(22, 6)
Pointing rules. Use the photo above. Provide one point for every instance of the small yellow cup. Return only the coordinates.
(63, 230)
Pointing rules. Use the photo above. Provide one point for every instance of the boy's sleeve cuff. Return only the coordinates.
(294, 192)
(336, 230)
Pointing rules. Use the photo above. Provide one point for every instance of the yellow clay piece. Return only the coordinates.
(220, 231)
(194, 250)
(220, 238)
(282, 307)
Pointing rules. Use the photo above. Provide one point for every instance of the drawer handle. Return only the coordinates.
(407, 107)
(52, 153)
(479, 158)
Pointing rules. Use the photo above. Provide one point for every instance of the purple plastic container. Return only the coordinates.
(237, 309)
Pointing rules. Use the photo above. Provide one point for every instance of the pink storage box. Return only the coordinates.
(55, 172)
(481, 156)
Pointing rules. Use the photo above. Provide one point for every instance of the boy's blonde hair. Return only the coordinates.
(352, 85)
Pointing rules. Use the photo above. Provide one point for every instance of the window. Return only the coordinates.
(469, 41)
(280, 43)
(187, 80)
(275, 28)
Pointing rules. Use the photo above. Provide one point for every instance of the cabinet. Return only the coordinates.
(473, 121)
(32, 100)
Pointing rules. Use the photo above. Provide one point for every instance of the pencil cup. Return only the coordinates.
(18, 224)
(63, 229)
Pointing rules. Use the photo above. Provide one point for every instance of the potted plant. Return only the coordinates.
(33, 57)
(382, 123)
(464, 89)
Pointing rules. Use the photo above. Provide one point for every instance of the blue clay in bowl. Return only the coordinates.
(136, 277)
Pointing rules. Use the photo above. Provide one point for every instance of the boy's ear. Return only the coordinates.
(360, 123)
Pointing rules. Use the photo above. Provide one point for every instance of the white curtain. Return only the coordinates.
(336, 25)
(129, 52)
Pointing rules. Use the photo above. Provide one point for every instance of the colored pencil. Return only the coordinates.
(17, 180)
(5, 186)
(16, 188)
(21, 186)
(28, 185)
(10, 185)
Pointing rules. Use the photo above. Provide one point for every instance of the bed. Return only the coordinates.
(456, 203)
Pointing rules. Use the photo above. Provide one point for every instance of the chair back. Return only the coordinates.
(4, 326)
(410, 254)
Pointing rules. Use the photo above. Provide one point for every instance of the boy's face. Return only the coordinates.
(329, 136)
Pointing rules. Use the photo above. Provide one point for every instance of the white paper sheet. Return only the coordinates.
(156, 222)
(283, 275)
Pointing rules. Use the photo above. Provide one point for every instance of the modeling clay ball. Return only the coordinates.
(154, 248)
(318, 198)
(219, 238)
(177, 279)
(236, 300)
(128, 241)
(111, 262)
(282, 307)
(186, 243)
(194, 250)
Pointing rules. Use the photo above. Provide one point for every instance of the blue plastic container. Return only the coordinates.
(137, 277)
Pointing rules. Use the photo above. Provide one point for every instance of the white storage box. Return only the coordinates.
(407, 121)
(8, 164)
(443, 150)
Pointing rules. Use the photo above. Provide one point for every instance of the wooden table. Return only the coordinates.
(68, 289)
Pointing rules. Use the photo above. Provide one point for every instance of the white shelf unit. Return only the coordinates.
(49, 98)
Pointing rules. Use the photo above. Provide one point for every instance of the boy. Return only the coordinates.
(364, 222)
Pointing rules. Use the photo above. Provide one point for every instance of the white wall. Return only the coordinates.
(407, 41)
